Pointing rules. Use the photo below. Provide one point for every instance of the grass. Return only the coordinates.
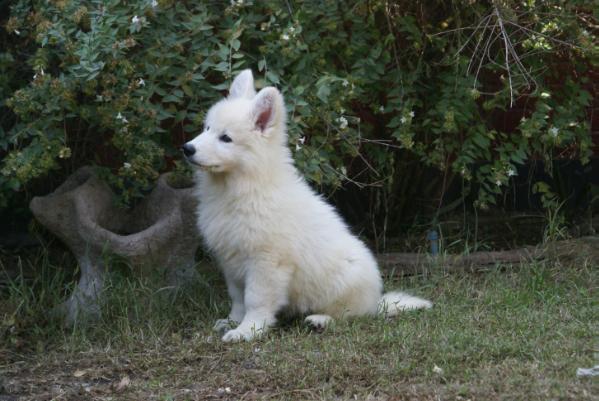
(507, 334)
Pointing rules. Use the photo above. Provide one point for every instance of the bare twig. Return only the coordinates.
(495, 30)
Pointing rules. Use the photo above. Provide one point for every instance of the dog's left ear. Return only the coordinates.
(243, 86)
(268, 110)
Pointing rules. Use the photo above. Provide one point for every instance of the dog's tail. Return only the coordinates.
(392, 303)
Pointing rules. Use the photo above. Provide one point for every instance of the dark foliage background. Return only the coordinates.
(403, 111)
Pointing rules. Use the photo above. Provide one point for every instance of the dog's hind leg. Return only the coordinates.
(318, 322)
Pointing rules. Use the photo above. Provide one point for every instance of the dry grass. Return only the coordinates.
(501, 335)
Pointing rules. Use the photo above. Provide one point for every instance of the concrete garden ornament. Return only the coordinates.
(160, 232)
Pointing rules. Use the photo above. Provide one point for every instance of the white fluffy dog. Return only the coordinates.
(279, 244)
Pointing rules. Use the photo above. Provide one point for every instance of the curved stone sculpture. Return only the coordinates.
(160, 232)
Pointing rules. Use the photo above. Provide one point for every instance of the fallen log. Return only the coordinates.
(584, 248)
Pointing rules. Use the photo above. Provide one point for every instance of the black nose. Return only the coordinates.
(188, 150)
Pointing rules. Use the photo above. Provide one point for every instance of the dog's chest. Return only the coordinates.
(234, 227)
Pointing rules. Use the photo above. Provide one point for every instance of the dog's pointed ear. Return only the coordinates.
(268, 109)
(243, 86)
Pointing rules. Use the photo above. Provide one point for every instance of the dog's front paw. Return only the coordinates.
(236, 335)
(222, 325)
(239, 334)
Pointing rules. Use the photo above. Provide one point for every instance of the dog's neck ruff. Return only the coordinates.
(273, 170)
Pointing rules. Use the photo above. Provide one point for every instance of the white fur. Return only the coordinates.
(278, 243)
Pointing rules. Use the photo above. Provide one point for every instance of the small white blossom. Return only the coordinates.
(17, 32)
(285, 37)
(154, 3)
(554, 131)
(127, 165)
(302, 140)
(345, 83)
(437, 370)
(382, 108)
(511, 172)
(141, 82)
(403, 120)
(498, 183)
(135, 19)
(545, 95)
(291, 29)
(342, 122)
(412, 114)
(122, 118)
(41, 74)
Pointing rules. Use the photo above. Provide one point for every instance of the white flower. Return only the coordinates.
(41, 74)
(511, 172)
(545, 95)
(127, 165)
(342, 122)
(382, 109)
(285, 37)
(403, 120)
(345, 83)
(141, 82)
(553, 131)
(412, 114)
(135, 20)
(498, 183)
(300, 143)
(122, 118)
(291, 29)
(17, 32)
(437, 370)
(154, 3)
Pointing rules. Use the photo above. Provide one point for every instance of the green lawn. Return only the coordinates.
(510, 334)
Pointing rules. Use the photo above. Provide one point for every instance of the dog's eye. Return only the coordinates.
(225, 138)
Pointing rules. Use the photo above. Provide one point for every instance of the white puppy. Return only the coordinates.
(279, 244)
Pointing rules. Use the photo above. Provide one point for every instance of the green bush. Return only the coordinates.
(368, 84)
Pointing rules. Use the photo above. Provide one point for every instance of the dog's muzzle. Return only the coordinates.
(188, 150)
